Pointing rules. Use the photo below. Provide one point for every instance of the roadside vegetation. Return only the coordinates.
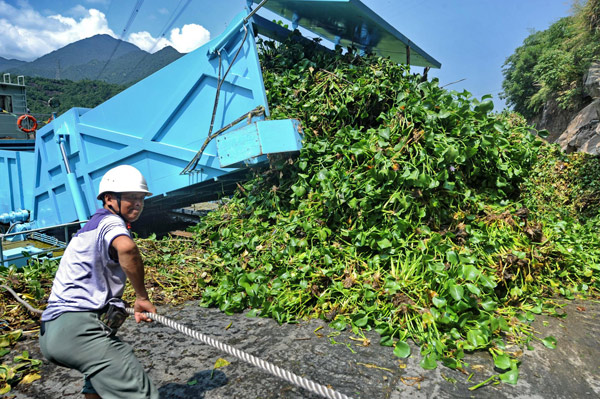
(551, 63)
(411, 210)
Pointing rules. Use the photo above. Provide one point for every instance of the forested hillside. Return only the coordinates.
(45, 96)
(99, 57)
(551, 63)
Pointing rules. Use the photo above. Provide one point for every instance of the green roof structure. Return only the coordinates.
(351, 23)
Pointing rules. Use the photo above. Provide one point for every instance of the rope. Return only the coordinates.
(246, 357)
(253, 360)
(22, 302)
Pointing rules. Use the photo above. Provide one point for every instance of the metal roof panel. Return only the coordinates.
(350, 22)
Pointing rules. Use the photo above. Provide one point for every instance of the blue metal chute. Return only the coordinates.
(16, 175)
(159, 125)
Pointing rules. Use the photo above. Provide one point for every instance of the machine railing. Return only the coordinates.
(35, 235)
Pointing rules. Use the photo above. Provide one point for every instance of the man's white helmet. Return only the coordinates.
(121, 179)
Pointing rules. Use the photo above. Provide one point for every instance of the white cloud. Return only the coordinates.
(27, 34)
(145, 41)
(189, 38)
(184, 40)
(78, 11)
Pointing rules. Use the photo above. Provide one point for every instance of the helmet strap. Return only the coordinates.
(118, 196)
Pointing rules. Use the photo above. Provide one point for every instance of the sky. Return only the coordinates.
(471, 38)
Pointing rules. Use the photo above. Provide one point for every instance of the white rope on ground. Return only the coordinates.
(253, 360)
(21, 301)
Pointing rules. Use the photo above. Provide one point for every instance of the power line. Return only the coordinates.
(164, 30)
(170, 24)
(132, 16)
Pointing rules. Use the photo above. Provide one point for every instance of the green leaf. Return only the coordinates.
(475, 338)
(402, 349)
(485, 107)
(499, 127)
(429, 362)
(452, 257)
(386, 340)
(385, 243)
(361, 320)
(489, 305)
(323, 174)
(339, 325)
(549, 342)
(473, 289)
(502, 361)
(451, 154)
(470, 273)
(487, 282)
(299, 191)
(438, 302)
(450, 362)
(511, 376)
(456, 291)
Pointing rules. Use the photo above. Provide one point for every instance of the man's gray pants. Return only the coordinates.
(79, 340)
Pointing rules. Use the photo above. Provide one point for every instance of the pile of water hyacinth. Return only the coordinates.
(411, 210)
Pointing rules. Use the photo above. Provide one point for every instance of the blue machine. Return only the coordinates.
(191, 128)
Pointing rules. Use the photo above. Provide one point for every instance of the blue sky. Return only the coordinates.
(471, 38)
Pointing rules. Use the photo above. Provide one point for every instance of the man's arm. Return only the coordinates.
(131, 263)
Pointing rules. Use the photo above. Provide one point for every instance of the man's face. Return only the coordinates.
(132, 204)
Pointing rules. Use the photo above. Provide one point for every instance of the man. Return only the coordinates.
(85, 310)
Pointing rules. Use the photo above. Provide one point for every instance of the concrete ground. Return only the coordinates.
(183, 368)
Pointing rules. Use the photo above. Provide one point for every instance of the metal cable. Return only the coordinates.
(254, 11)
(258, 111)
(162, 34)
(132, 16)
(194, 162)
(253, 360)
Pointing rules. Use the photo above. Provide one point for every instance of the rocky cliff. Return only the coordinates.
(576, 130)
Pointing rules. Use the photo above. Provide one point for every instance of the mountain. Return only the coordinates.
(124, 70)
(87, 59)
(12, 63)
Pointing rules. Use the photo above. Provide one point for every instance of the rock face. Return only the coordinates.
(583, 133)
(553, 119)
(591, 81)
(576, 131)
